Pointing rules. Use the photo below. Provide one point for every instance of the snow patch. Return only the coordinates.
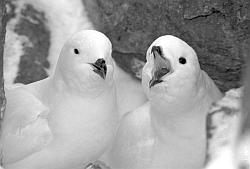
(224, 161)
(65, 17)
(13, 49)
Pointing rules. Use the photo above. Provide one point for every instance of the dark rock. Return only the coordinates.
(217, 29)
(3, 22)
(245, 127)
(11, 10)
(133, 65)
(31, 24)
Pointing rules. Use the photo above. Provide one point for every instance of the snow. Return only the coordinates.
(224, 161)
(243, 151)
(233, 158)
(64, 17)
(13, 49)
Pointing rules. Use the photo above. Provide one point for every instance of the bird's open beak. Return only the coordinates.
(162, 66)
(100, 67)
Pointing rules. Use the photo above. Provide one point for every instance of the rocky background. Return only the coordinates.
(27, 44)
(2, 38)
(36, 32)
(217, 29)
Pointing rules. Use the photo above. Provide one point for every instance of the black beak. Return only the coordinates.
(157, 51)
(162, 66)
(100, 67)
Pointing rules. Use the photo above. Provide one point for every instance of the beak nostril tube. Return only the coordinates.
(156, 49)
(100, 62)
(162, 66)
(100, 67)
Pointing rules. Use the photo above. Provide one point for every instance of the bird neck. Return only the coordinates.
(184, 124)
(62, 85)
(183, 114)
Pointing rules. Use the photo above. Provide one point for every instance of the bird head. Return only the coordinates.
(85, 61)
(171, 70)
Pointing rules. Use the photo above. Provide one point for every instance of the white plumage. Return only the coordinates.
(130, 94)
(68, 119)
(169, 130)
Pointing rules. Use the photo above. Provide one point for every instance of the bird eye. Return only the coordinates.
(182, 60)
(76, 51)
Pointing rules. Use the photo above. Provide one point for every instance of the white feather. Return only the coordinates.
(68, 119)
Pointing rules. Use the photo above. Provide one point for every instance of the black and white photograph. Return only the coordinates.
(125, 84)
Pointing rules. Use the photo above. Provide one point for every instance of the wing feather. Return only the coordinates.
(25, 128)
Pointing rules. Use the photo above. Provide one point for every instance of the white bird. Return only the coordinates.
(167, 132)
(130, 94)
(68, 119)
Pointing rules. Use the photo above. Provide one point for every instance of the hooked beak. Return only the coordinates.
(100, 67)
(162, 66)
